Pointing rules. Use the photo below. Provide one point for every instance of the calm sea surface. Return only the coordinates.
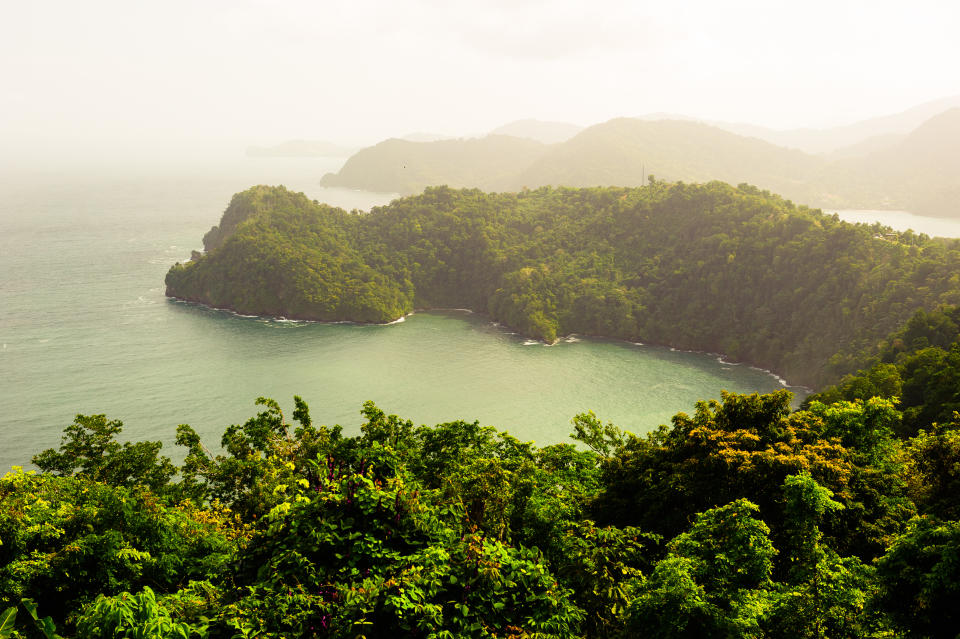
(85, 328)
(902, 221)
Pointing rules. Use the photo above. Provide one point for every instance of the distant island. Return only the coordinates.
(915, 171)
(710, 267)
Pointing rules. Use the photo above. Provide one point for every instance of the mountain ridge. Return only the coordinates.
(623, 151)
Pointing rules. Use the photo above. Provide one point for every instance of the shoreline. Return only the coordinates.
(569, 338)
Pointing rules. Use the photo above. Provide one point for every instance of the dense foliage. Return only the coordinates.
(744, 520)
(918, 366)
(707, 267)
(301, 260)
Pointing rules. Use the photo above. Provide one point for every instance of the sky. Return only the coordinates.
(123, 73)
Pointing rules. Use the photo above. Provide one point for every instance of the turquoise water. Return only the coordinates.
(85, 328)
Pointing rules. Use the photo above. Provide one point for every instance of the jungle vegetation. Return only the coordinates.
(706, 267)
(743, 519)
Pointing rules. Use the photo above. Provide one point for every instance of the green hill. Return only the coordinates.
(706, 267)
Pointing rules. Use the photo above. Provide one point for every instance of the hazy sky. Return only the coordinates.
(255, 71)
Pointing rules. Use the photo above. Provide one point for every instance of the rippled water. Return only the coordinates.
(85, 328)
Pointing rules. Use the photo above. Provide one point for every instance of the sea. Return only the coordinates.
(85, 328)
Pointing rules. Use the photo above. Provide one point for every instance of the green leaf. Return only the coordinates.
(48, 628)
(7, 618)
(31, 607)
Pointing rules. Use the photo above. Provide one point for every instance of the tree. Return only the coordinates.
(932, 470)
(919, 579)
(88, 449)
(261, 453)
(824, 595)
(714, 580)
(65, 540)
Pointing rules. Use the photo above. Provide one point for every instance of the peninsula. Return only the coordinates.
(707, 267)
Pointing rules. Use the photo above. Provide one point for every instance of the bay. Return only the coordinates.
(903, 221)
(85, 328)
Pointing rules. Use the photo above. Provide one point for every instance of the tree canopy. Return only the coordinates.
(743, 520)
(705, 267)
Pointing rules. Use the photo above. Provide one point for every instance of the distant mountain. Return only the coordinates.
(917, 171)
(402, 166)
(920, 174)
(620, 152)
(858, 138)
(546, 132)
(831, 139)
(299, 149)
(868, 146)
(625, 150)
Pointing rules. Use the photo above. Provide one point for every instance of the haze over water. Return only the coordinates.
(85, 328)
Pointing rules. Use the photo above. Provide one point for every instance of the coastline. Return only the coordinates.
(304, 320)
(529, 341)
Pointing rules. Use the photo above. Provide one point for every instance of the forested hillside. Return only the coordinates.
(706, 267)
(917, 366)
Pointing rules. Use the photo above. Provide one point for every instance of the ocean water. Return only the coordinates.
(903, 220)
(85, 328)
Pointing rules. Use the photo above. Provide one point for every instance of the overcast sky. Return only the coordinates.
(355, 72)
